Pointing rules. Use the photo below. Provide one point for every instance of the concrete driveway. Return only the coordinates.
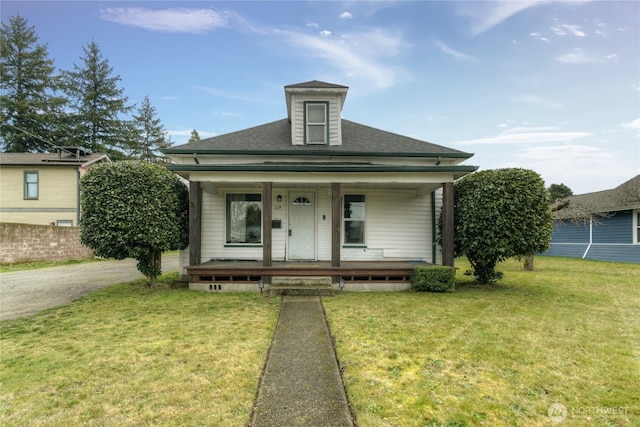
(27, 292)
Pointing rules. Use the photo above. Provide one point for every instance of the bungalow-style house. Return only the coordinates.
(315, 195)
(44, 188)
(604, 225)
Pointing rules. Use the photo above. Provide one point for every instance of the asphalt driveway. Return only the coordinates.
(27, 292)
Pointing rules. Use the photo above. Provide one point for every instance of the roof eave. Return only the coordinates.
(314, 153)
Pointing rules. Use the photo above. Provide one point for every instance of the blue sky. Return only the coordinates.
(552, 86)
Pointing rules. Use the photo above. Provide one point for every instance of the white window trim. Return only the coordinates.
(37, 184)
(636, 226)
(365, 220)
(307, 123)
(226, 221)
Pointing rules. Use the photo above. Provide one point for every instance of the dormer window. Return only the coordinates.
(316, 122)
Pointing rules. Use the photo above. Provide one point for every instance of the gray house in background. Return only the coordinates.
(604, 225)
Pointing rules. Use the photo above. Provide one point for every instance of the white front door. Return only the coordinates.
(302, 225)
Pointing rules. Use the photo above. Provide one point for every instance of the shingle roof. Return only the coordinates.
(48, 159)
(316, 84)
(275, 138)
(623, 197)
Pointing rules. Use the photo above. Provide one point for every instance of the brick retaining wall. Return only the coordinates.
(27, 242)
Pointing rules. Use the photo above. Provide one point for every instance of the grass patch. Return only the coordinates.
(32, 265)
(130, 355)
(499, 354)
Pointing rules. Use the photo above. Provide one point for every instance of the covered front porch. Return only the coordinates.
(384, 266)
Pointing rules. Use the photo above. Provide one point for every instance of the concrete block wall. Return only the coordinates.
(28, 242)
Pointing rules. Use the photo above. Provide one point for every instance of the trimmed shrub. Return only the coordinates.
(436, 278)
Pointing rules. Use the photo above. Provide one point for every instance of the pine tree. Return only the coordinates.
(99, 104)
(150, 135)
(31, 108)
(194, 136)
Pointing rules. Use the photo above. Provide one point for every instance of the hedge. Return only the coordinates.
(436, 278)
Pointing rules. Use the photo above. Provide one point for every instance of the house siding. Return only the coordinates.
(397, 226)
(611, 239)
(57, 195)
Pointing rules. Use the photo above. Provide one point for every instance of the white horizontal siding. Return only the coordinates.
(398, 226)
(297, 118)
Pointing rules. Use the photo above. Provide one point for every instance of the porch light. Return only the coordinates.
(279, 198)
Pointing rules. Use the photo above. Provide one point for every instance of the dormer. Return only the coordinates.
(314, 110)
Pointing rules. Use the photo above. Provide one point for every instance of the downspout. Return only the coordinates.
(78, 196)
(433, 228)
(590, 237)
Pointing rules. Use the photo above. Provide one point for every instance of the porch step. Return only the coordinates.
(301, 281)
(301, 285)
(320, 291)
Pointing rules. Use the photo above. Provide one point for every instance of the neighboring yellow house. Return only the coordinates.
(44, 188)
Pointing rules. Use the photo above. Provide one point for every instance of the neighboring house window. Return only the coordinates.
(316, 122)
(244, 218)
(31, 185)
(636, 226)
(64, 223)
(354, 219)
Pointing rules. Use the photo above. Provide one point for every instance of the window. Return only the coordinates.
(64, 223)
(316, 129)
(244, 218)
(637, 226)
(31, 185)
(354, 219)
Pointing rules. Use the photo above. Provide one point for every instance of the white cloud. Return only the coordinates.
(526, 135)
(568, 29)
(313, 25)
(486, 15)
(346, 15)
(363, 55)
(577, 56)
(539, 36)
(452, 52)
(634, 124)
(325, 33)
(175, 20)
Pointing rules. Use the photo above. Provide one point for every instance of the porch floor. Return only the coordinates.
(349, 271)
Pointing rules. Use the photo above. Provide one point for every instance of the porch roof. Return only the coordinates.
(357, 140)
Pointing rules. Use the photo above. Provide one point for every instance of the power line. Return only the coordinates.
(55, 146)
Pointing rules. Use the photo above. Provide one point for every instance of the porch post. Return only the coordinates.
(195, 236)
(336, 224)
(447, 224)
(266, 223)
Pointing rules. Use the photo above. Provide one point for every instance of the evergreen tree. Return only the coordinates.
(150, 135)
(31, 109)
(559, 191)
(99, 104)
(194, 136)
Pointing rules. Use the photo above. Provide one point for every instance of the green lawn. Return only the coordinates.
(128, 355)
(567, 333)
(494, 355)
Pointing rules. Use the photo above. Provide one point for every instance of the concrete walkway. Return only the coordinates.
(301, 384)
